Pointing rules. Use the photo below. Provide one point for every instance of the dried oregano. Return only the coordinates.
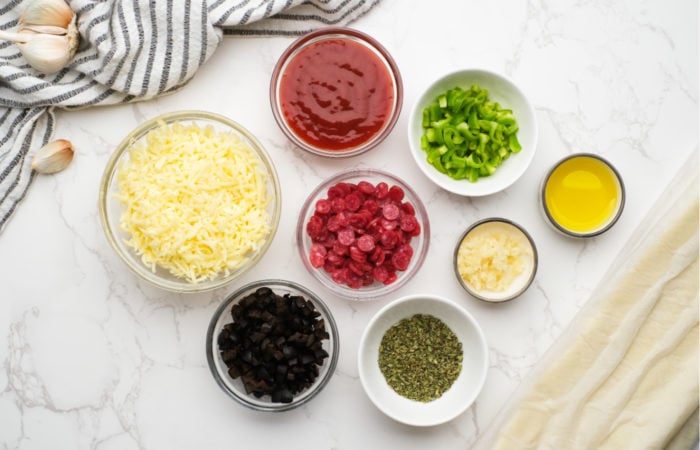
(420, 357)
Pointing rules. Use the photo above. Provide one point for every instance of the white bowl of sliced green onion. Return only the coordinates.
(473, 132)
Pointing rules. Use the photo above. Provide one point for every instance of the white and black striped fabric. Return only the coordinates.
(130, 50)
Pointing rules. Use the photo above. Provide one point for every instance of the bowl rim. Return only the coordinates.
(613, 218)
(535, 260)
(181, 286)
(328, 33)
(425, 298)
(344, 291)
(440, 179)
(331, 327)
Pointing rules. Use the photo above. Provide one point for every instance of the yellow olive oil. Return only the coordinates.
(582, 194)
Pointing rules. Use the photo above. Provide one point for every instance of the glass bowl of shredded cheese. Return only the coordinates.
(190, 200)
(495, 260)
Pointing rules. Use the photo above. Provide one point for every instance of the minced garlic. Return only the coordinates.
(196, 201)
(490, 258)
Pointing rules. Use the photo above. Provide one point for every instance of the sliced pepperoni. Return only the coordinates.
(366, 243)
(323, 206)
(391, 278)
(359, 220)
(314, 227)
(381, 190)
(396, 194)
(408, 223)
(335, 259)
(340, 276)
(389, 224)
(371, 205)
(333, 224)
(400, 260)
(378, 256)
(389, 239)
(390, 211)
(327, 239)
(357, 255)
(354, 281)
(405, 249)
(338, 204)
(356, 268)
(380, 274)
(346, 236)
(335, 192)
(365, 187)
(343, 218)
(408, 208)
(361, 233)
(415, 231)
(317, 255)
(340, 249)
(353, 202)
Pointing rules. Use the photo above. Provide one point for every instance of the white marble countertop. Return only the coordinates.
(92, 357)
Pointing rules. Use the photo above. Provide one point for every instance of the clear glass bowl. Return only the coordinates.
(419, 243)
(234, 387)
(110, 208)
(344, 34)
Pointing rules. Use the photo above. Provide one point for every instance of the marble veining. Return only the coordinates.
(92, 357)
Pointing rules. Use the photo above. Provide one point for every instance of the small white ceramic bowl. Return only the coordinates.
(466, 387)
(509, 96)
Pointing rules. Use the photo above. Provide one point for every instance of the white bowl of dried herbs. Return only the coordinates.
(423, 360)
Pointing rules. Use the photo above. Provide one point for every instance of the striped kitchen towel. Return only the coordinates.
(130, 50)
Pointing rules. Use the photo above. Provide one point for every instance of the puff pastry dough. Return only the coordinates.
(625, 375)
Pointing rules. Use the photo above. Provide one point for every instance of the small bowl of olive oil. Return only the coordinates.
(583, 195)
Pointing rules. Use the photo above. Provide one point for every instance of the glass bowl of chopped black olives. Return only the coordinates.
(272, 345)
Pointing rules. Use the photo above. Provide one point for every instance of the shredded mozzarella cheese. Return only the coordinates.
(196, 201)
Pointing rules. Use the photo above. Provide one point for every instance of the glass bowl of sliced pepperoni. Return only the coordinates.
(363, 233)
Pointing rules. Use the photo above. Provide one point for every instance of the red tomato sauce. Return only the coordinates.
(336, 94)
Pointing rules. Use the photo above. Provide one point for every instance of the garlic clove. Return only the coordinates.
(53, 157)
(46, 29)
(47, 53)
(48, 35)
(47, 12)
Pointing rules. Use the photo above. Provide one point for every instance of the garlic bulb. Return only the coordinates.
(53, 157)
(47, 36)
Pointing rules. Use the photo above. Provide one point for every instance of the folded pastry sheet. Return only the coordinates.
(624, 375)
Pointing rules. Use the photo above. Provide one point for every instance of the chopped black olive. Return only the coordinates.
(274, 344)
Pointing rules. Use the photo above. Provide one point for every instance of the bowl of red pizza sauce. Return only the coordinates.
(336, 92)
